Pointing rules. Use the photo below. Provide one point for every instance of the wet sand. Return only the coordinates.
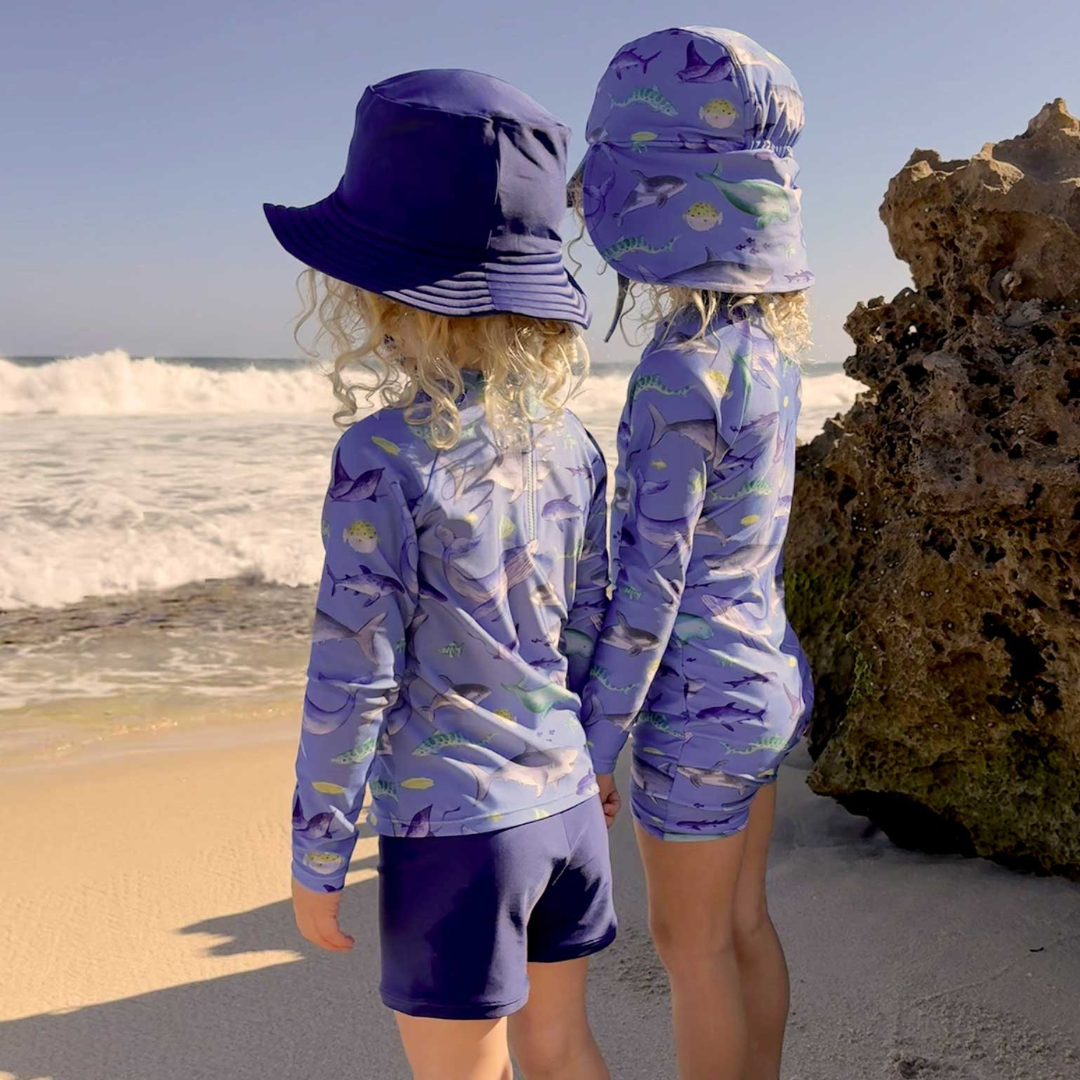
(146, 934)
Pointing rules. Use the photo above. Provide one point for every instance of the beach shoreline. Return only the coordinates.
(148, 936)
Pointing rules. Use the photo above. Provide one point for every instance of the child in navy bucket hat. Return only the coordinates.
(464, 583)
(688, 191)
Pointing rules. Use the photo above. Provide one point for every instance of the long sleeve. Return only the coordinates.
(366, 597)
(586, 615)
(682, 416)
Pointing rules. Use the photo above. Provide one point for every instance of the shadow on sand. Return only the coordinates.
(318, 1016)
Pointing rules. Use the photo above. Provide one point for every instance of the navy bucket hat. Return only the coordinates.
(451, 201)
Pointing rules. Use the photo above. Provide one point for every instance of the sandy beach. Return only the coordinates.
(147, 935)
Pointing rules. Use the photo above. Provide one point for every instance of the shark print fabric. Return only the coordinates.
(690, 175)
(696, 661)
(461, 598)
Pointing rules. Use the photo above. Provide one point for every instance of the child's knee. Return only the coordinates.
(683, 946)
(547, 1053)
(545, 1056)
(751, 921)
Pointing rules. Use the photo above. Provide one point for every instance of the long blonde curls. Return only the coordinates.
(786, 316)
(531, 367)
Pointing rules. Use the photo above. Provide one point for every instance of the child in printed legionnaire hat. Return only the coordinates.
(465, 576)
(688, 191)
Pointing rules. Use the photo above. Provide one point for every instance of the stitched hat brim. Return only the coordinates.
(488, 283)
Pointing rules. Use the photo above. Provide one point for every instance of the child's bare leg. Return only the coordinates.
(550, 1037)
(455, 1049)
(762, 967)
(691, 889)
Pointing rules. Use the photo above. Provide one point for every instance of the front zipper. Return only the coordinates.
(530, 483)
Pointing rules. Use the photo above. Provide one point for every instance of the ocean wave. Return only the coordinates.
(215, 490)
(115, 384)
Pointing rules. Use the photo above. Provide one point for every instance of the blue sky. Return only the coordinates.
(140, 139)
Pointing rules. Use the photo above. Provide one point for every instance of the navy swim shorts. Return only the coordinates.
(462, 916)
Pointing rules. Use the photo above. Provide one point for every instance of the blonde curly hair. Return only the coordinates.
(785, 315)
(531, 367)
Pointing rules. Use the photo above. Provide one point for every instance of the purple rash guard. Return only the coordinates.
(696, 656)
(458, 608)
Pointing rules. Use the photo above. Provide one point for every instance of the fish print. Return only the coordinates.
(359, 753)
(651, 780)
(628, 638)
(718, 113)
(383, 790)
(654, 384)
(604, 679)
(536, 769)
(370, 585)
(594, 197)
(705, 825)
(702, 216)
(446, 740)
(560, 510)
(322, 862)
(349, 489)
(770, 743)
(661, 723)
(729, 712)
(458, 696)
(705, 273)
(634, 245)
(420, 824)
(320, 721)
(701, 144)
(630, 60)
(646, 95)
(715, 778)
(703, 433)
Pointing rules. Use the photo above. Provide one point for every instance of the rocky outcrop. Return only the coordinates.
(934, 553)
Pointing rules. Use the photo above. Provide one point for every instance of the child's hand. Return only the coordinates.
(610, 799)
(317, 918)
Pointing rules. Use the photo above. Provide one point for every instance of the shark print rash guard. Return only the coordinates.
(462, 594)
(696, 657)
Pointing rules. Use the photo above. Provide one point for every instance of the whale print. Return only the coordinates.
(698, 70)
(764, 200)
(458, 696)
(650, 191)
(540, 701)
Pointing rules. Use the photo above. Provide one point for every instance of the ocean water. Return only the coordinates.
(159, 528)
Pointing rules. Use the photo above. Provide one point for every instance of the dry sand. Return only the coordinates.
(146, 934)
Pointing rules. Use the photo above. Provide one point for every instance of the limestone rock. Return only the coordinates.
(933, 562)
